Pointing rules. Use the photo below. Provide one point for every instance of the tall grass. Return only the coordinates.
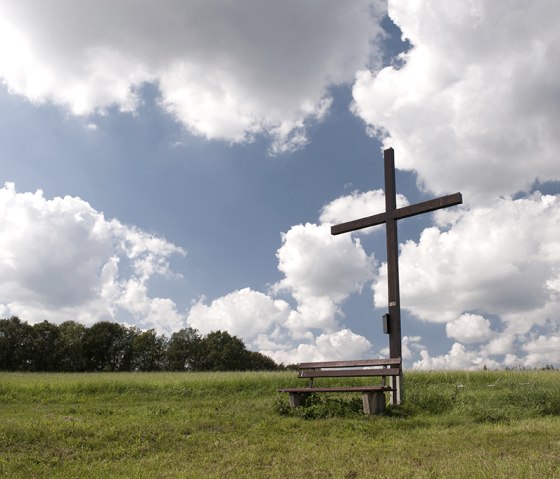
(148, 386)
(216, 425)
(484, 395)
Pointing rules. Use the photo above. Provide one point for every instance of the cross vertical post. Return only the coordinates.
(395, 341)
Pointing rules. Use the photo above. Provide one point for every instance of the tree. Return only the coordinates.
(148, 351)
(184, 350)
(44, 347)
(15, 339)
(71, 346)
(223, 352)
(260, 362)
(108, 347)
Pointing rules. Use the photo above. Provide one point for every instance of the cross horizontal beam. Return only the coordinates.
(399, 213)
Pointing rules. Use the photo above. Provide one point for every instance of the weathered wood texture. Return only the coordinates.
(373, 402)
(399, 213)
(348, 373)
(351, 364)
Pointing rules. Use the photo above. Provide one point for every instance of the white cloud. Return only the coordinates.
(159, 313)
(474, 105)
(225, 70)
(315, 263)
(501, 260)
(502, 344)
(320, 271)
(339, 345)
(270, 326)
(470, 328)
(542, 351)
(245, 313)
(62, 260)
(459, 357)
(357, 205)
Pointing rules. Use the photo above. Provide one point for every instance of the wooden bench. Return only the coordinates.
(373, 396)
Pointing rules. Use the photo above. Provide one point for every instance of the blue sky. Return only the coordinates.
(180, 164)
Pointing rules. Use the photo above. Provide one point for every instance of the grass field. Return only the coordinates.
(227, 425)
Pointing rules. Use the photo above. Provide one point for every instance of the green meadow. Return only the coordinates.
(235, 425)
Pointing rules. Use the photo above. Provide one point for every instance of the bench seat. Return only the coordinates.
(336, 389)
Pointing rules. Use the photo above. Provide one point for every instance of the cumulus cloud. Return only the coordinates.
(500, 261)
(472, 106)
(316, 263)
(503, 260)
(532, 352)
(469, 328)
(249, 314)
(339, 345)
(459, 357)
(542, 351)
(224, 70)
(320, 271)
(62, 260)
(501, 345)
(271, 326)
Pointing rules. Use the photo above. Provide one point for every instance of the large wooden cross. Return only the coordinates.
(390, 217)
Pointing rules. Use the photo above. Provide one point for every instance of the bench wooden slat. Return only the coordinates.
(342, 373)
(351, 364)
(339, 389)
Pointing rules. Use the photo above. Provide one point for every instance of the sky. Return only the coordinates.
(179, 164)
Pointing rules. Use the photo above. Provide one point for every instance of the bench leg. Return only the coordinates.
(297, 399)
(397, 392)
(374, 402)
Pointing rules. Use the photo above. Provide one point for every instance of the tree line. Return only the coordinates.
(108, 346)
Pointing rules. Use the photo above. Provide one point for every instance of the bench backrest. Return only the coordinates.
(358, 368)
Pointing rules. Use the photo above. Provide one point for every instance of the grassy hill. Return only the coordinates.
(226, 425)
